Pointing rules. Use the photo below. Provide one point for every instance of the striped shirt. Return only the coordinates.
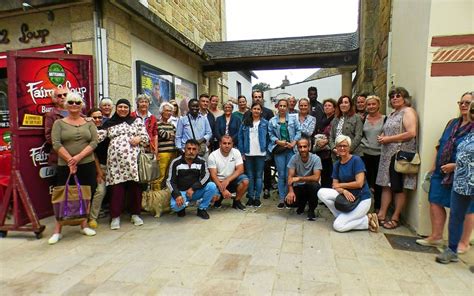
(166, 133)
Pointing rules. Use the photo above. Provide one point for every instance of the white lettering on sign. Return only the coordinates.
(46, 109)
(39, 156)
(39, 92)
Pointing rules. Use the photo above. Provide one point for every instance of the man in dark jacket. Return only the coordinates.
(317, 109)
(188, 180)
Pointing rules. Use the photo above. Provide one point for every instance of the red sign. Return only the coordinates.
(31, 80)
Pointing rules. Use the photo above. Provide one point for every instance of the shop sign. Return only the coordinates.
(25, 35)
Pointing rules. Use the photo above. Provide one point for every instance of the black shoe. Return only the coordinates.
(266, 194)
(281, 206)
(250, 202)
(257, 203)
(182, 213)
(300, 211)
(311, 216)
(238, 205)
(218, 204)
(203, 214)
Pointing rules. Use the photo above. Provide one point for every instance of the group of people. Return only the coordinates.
(322, 150)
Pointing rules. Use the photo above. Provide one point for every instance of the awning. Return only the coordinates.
(45, 49)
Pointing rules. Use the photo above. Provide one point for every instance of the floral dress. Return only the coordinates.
(390, 128)
(122, 157)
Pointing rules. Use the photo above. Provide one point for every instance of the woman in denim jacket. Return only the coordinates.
(252, 143)
(284, 131)
(348, 124)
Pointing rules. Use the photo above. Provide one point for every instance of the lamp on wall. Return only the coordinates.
(26, 6)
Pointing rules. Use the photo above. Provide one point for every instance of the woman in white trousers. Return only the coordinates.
(350, 181)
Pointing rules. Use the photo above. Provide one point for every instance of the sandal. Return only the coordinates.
(381, 220)
(392, 224)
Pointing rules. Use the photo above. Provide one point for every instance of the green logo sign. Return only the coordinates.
(7, 137)
(56, 74)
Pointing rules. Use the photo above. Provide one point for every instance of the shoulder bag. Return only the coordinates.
(342, 204)
(202, 146)
(406, 162)
(148, 169)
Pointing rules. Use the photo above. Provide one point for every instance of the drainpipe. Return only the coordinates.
(100, 42)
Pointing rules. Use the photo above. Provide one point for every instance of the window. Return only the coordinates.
(239, 88)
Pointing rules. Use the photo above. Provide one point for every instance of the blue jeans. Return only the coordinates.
(281, 161)
(206, 194)
(459, 208)
(254, 169)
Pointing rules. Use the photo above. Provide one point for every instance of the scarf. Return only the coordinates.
(116, 119)
(457, 131)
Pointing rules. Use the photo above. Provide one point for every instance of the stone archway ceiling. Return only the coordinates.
(322, 51)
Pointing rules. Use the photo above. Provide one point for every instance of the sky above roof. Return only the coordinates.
(260, 19)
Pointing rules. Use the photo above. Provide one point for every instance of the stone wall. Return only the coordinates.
(374, 27)
(199, 21)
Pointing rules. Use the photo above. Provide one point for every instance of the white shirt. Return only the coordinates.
(225, 165)
(254, 142)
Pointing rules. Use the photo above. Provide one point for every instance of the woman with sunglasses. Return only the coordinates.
(126, 134)
(74, 139)
(462, 197)
(442, 171)
(399, 133)
(100, 154)
(284, 131)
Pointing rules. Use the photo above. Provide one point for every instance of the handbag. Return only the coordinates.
(407, 162)
(147, 167)
(344, 205)
(71, 203)
(202, 146)
(279, 149)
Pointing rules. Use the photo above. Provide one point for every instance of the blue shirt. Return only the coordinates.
(464, 173)
(346, 173)
(200, 125)
(308, 125)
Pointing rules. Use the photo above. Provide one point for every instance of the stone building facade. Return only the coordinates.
(167, 35)
(374, 28)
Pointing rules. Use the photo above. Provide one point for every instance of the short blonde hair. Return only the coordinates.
(342, 138)
(373, 97)
(143, 97)
(73, 96)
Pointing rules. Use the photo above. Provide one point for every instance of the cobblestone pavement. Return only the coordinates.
(257, 252)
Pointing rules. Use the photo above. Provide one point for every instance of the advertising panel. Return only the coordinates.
(185, 90)
(156, 83)
(32, 78)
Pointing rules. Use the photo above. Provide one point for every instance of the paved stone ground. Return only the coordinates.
(257, 252)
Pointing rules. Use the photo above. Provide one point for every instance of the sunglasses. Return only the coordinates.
(464, 103)
(97, 117)
(395, 96)
(74, 102)
(61, 95)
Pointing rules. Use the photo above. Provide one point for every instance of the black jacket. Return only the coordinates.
(182, 176)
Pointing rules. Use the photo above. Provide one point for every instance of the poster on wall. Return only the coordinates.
(5, 133)
(184, 90)
(32, 78)
(156, 83)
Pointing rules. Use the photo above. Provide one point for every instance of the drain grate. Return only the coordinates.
(408, 243)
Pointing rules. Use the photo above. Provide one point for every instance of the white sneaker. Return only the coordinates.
(136, 220)
(88, 231)
(115, 224)
(54, 238)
